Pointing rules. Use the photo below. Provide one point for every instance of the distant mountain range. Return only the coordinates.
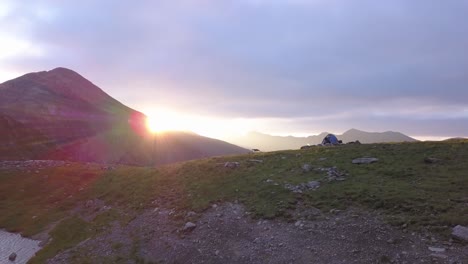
(267, 142)
(59, 114)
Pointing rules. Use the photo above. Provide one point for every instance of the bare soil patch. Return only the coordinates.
(228, 234)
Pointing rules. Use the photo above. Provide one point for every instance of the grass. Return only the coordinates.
(400, 185)
(65, 235)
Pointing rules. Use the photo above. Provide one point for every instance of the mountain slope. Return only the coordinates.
(61, 104)
(83, 204)
(79, 121)
(267, 142)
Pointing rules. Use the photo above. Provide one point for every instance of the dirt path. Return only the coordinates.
(227, 234)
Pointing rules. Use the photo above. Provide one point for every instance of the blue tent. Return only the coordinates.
(330, 139)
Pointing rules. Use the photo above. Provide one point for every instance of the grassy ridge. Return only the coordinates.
(401, 185)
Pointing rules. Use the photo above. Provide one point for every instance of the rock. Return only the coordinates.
(460, 232)
(334, 175)
(191, 213)
(256, 160)
(269, 181)
(189, 226)
(313, 184)
(12, 257)
(439, 256)
(430, 160)
(231, 164)
(365, 160)
(306, 167)
(306, 147)
(89, 203)
(437, 250)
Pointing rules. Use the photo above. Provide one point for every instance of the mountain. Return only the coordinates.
(374, 137)
(267, 142)
(58, 114)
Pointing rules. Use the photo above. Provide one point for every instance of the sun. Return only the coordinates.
(163, 121)
(152, 125)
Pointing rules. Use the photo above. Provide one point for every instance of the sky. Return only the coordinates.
(291, 67)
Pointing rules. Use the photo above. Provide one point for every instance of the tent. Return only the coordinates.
(330, 139)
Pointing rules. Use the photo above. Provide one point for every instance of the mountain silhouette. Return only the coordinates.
(58, 114)
(267, 142)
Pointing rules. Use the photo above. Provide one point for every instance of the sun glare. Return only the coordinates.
(152, 125)
(164, 120)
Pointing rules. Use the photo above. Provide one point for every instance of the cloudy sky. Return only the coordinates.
(280, 67)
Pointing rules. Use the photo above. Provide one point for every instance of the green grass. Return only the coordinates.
(401, 186)
(65, 235)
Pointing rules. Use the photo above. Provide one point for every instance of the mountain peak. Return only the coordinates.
(62, 70)
(353, 130)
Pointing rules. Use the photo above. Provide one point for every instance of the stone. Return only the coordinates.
(306, 167)
(12, 257)
(460, 232)
(256, 160)
(191, 213)
(313, 184)
(189, 226)
(437, 250)
(89, 203)
(439, 256)
(430, 160)
(365, 160)
(231, 164)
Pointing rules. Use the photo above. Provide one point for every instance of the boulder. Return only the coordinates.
(460, 232)
(365, 160)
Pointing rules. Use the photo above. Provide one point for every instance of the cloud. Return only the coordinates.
(366, 62)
